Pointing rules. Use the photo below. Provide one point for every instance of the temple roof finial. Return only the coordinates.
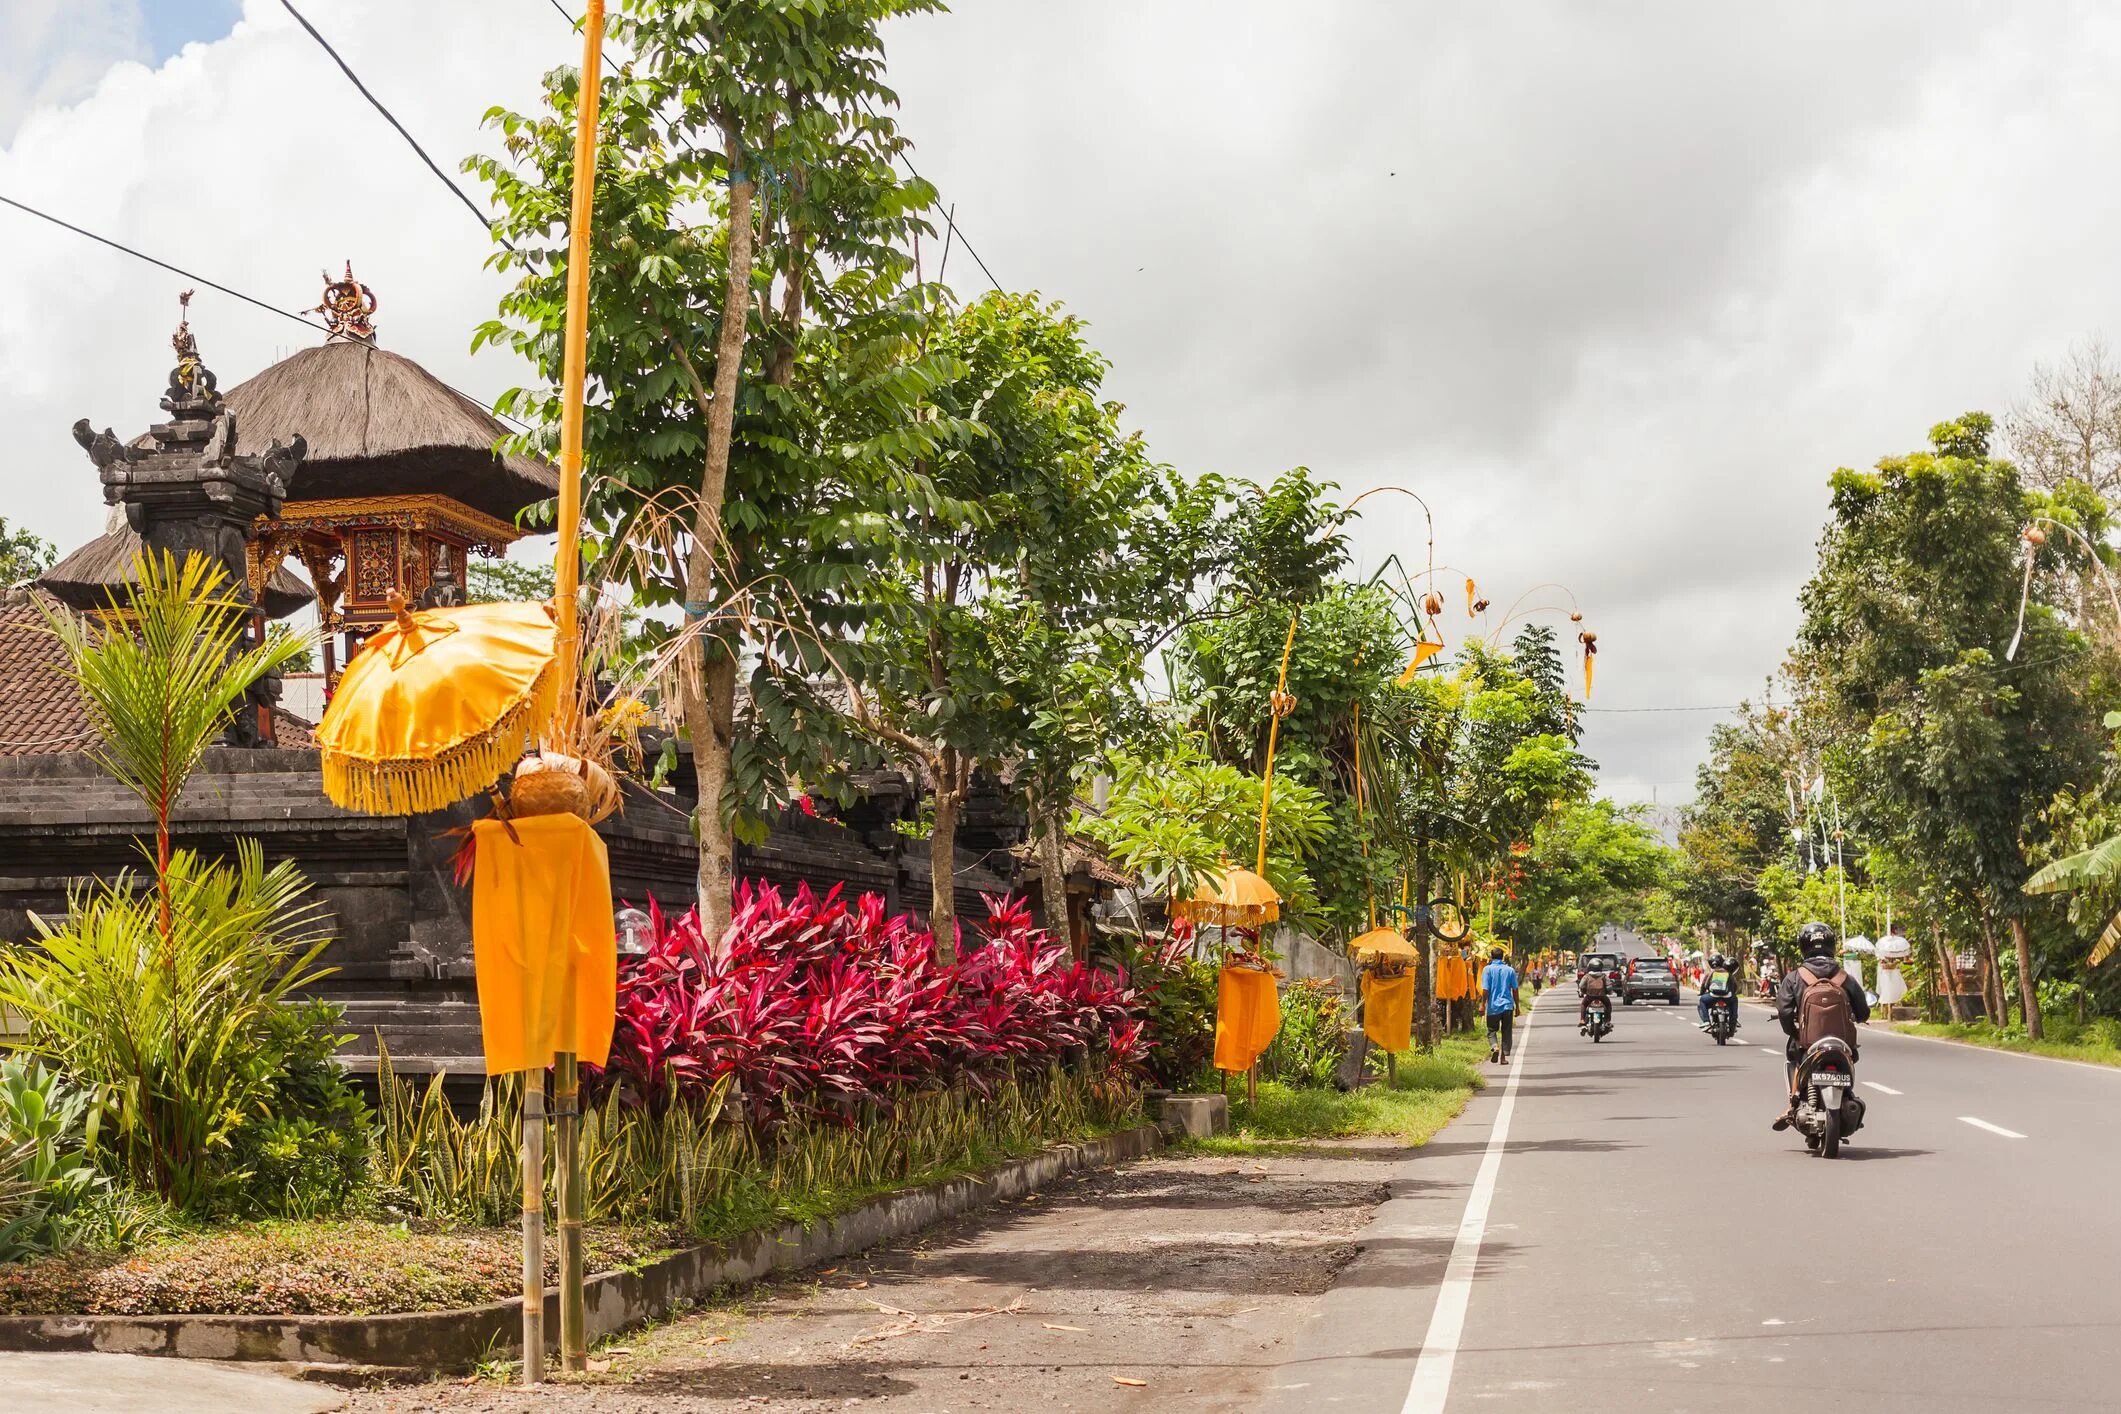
(191, 382)
(349, 308)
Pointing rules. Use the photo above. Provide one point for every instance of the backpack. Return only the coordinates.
(1823, 1008)
(1594, 984)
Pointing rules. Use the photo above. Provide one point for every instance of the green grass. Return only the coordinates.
(1429, 1093)
(2067, 1041)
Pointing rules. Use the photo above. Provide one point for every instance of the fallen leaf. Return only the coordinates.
(718, 1340)
(828, 1271)
(1080, 1330)
(1130, 1383)
(859, 1286)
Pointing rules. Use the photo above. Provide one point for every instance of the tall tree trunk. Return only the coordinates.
(1947, 975)
(1992, 994)
(708, 696)
(2028, 990)
(1053, 879)
(1424, 948)
(942, 861)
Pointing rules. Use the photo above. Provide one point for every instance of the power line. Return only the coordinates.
(173, 269)
(391, 118)
(231, 293)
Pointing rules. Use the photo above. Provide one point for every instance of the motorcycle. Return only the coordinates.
(1597, 1018)
(1828, 1108)
(1723, 1017)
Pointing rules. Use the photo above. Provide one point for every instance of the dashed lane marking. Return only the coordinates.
(1984, 1124)
(1882, 1089)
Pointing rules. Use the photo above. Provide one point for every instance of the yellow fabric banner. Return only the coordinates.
(1388, 1010)
(1247, 1016)
(541, 926)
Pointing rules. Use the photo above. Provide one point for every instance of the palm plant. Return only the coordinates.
(160, 673)
(160, 1001)
(166, 1030)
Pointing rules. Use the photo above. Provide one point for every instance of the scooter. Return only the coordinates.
(1828, 1108)
(1597, 1018)
(1723, 1017)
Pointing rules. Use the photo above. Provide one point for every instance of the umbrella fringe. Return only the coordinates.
(414, 787)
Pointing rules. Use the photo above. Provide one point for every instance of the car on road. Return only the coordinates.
(1649, 977)
(1606, 962)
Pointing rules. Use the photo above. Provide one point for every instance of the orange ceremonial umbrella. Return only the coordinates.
(1385, 942)
(438, 705)
(1240, 899)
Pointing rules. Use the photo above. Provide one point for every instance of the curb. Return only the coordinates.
(428, 1342)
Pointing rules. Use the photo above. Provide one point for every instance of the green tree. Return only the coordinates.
(1591, 862)
(750, 347)
(1739, 823)
(1949, 744)
(23, 555)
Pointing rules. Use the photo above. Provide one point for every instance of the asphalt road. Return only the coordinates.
(1640, 1240)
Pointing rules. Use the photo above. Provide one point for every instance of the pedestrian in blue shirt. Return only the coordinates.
(1498, 980)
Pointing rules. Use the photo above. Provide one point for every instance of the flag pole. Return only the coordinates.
(567, 574)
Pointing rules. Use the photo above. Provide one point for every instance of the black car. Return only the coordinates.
(1650, 977)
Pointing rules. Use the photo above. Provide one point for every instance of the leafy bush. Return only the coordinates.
(44, 1169)
(1178, 995)
(305, 1155)
(1313, 1040)
(691, 1163)
(182, 1040)
(818, 1007)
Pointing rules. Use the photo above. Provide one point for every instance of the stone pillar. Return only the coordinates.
(189, 491)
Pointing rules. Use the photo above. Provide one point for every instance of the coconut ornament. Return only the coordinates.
(549, 783)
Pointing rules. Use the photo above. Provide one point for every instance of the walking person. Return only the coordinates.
(1498, 984)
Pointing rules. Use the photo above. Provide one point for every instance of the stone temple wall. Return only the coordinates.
(401, 927)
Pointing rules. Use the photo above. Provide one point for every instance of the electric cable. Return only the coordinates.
(142, 255)
(391, 118)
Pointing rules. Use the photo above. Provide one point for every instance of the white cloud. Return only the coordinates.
(57, 49)
(1614, 287)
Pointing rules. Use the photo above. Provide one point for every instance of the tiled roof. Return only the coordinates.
(41, 710)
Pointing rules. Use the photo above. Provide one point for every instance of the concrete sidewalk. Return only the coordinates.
(138, 1384)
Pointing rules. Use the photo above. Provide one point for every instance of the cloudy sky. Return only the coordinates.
(1614, 286)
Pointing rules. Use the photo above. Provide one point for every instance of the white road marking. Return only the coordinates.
(1430, 1388)
(1736, 1042)
(1882, 1089)
(1979, 1124)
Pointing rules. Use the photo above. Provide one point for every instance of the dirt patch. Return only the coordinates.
(1187, 1273)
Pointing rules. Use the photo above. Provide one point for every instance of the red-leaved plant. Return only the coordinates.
(821, 1008)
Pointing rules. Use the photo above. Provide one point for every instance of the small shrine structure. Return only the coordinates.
(401, 484)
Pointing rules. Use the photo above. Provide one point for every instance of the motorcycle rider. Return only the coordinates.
(1815, 944)
(1720, 982)
(1592, 985)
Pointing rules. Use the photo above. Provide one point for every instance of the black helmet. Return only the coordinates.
(1719, 960)
(1816, 939)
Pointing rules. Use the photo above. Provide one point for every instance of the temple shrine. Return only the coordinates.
(369, 474)
(401, 484)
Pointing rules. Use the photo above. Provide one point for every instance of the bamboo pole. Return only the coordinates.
(1266, 786)
(533, 1226)
(567, 1176)
(567, 572)
(574, 358)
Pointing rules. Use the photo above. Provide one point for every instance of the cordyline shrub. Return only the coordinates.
(825, 1009)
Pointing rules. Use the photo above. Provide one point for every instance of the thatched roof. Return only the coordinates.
(378, 424)
(84, 580)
